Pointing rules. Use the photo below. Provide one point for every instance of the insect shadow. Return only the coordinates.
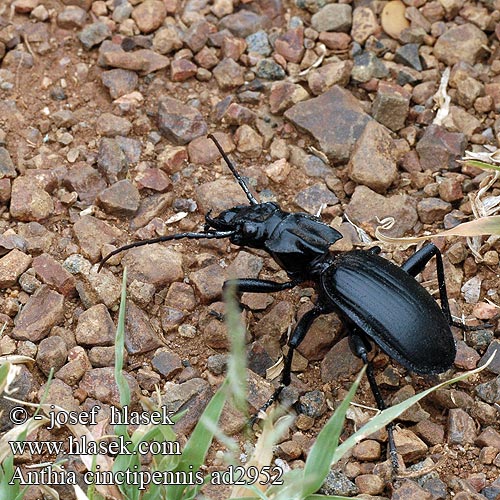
(376, 300)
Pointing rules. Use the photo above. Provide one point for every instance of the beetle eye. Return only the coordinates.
(250, 229)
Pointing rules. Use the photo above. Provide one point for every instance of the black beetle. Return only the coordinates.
(377, 300)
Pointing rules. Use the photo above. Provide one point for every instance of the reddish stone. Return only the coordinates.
(489, 437)
(229, 74)
(238, 115)
(44, 309)
(439, 149)
(149, 15)
(233, 48)
(459, 43)
(179, 122)
(430, 432)
(206, 58)
(335, 73)
(171, 6)
(196, 35)
(24, 6)
(121, 198)
(182, 69)
(280, 60)
(466, 357)
(391, 105)
(153, 178)
(450, 189)
(203, 150)
(291, 45)
(410, 162)
(493, 90)
(29, 201)
(375, 143)
(367, 451)
(52, 273)
(335, 119)
(484, 310)
(285, 94)
(335, 41)
(12, 266)
(5, 189)
(461, 427)
(173, 159)
(143, 60)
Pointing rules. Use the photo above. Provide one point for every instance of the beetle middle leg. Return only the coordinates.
(294, 341)
(416, 264)
(360, 349)
(254, 285)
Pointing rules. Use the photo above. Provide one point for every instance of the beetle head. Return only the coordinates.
(253, 223)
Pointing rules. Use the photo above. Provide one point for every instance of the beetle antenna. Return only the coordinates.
(193, 236)
(241, 181)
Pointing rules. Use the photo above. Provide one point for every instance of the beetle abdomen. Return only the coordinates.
(389, 306)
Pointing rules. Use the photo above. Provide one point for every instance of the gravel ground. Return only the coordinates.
(105, 109)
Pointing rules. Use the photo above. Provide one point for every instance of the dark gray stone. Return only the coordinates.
(408, 55)
(94, 34)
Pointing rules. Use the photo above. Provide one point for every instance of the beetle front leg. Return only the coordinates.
(254, 285)
(294, 341)
(360, 349)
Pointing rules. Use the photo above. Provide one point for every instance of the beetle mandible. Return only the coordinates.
(376, 300)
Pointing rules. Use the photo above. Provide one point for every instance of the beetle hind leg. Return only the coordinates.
(416, 263)
(360, 349)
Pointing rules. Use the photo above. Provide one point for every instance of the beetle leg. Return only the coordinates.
(259, 286)
(416, 263)
(359, 348)
(266, 286)
(208, 221)
(294, 341)
(297, 337)
(241, 285)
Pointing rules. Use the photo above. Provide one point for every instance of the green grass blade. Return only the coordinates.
(253, 498)
(321, 455)
(291, 487)
(197, 447)
(123, 386)
(327, 497)
(124, 462)
(391, 413)
(482, 164)
(6, 473)
(4, 372)
(201, 438)
(237, 362)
